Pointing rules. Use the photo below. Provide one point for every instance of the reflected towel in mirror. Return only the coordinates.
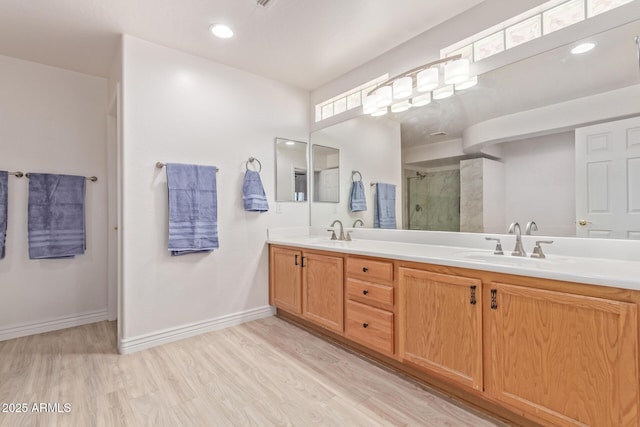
(357, 200)
(384, 212)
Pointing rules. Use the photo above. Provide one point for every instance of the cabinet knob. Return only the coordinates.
(365, 269)
(365, 292)
(365, 325)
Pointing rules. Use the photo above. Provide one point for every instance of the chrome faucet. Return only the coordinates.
(531, 226)
(356, 223)
(337, 221)
(514, 228)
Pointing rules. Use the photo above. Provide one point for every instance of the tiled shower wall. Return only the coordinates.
(434, 201)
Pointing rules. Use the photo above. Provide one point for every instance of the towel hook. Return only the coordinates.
(251, 160)
(353, 173)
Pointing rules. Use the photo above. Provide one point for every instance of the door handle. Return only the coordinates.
(303, 262)
(584, 222)
(296, 261)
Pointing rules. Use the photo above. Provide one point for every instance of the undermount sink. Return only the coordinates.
(513, 260)
(328, 241)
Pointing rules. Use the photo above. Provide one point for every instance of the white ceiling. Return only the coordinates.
(306, 43)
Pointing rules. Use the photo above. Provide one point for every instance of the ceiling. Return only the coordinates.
(551, 77)
(305, 43)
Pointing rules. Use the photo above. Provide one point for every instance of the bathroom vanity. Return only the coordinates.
(552, 341)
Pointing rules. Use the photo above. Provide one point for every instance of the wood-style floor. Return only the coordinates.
(263, 373)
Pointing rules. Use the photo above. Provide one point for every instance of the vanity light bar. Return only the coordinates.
(456, 72)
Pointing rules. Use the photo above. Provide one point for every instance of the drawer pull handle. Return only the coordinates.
(365, 325)
(365, 292)
(494, 302)
(365, 269)
(296, 260)
(472, 300)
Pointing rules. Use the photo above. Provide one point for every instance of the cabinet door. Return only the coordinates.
(569, 359)
(441, 324)
(286, 280)
(322, 293)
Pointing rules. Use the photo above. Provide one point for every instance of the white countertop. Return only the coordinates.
(597, 271)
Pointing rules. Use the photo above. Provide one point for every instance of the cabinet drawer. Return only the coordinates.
(369, 269)
(370, 292)
(369, 326)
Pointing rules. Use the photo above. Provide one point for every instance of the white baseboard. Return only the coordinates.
(49, 325)
(142, 342)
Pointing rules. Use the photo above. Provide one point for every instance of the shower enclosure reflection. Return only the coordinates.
(434, 200)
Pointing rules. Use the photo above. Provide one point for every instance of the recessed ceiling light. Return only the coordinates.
(582, 48)
(220, 30)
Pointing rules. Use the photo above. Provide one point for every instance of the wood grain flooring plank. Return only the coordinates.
(263, 373)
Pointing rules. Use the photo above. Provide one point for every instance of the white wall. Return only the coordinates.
(182, 108)
(368, 145)
(52, 121)
(540, 183)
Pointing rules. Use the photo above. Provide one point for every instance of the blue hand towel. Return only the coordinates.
(56, 216)
(384, 213)
(193, 208)
(253, 196)
(4, 190)
(357, 200)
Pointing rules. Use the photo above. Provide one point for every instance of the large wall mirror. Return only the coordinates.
(516, 147)
(291, 170)
(326, 174)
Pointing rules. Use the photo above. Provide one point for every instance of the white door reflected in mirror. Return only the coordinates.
(291, 171)
(326, 174)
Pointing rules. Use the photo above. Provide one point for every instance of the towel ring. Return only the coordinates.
(251, 160)
(353, 173)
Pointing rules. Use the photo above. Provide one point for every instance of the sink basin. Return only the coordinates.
(327, 241)
(514, 260)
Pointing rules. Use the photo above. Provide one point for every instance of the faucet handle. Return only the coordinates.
(348, 237)
(333, 233)
(537, 249)
(498, 249)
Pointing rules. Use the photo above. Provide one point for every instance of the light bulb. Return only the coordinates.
(428, 80)
(443, 92)
(402, 88)
(456, 71)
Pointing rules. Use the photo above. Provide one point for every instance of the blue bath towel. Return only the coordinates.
(253, 196)
(56, 216)
(4, 190)
(357, 200)
(384, 213)
(193, 208)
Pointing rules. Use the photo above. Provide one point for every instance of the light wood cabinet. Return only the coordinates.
(532, 350)
(322, 291)
(308, 284)
(441, 324)
(285, 279)
(569, 359)
(370, 326)
(370, 306)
